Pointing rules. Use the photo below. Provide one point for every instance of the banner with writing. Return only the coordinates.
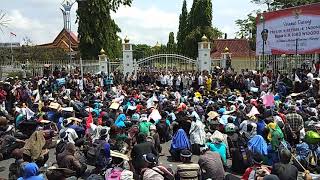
(289, 31)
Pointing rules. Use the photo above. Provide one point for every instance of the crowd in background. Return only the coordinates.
(258, 125)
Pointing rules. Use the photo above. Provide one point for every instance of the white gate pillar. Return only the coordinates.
(103, 62)
(204, 58)
(225, 56)
(127, 51)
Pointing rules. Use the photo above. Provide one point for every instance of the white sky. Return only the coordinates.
(146, 21)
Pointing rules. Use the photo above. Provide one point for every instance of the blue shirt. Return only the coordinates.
(261, 126)
(220, 148)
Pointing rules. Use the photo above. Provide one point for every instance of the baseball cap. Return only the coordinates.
(150, 158)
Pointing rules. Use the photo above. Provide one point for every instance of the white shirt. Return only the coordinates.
(80, 84)
(200, 80)
(72, 135)
(178, 82)
(163, 80)
(197, 133)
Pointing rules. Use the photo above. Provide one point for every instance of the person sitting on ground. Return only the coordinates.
(217, 145)
(155, 136)
(62, 142)
(152, 171)
(211, 164)
(257, 170)
(9, 143)
(284, 170)
(138, 150)
(187, 170)
(67, 159)
(34, 150)
(119, 167)
(72, 134)
(180, 142)
(103, 150)
(30, 171)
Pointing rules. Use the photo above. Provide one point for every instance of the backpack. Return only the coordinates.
(114, 175)
(95, 154)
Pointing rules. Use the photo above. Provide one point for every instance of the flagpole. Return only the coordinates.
(11, 50)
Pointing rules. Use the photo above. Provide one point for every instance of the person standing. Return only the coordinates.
(294, 125)
(197, 135)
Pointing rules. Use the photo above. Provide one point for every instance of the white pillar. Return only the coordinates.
(103, 62)
(127, 57)
(224, 57)
(204, 57)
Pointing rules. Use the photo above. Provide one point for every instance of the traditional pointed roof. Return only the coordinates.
(62, 41)
(238, 48)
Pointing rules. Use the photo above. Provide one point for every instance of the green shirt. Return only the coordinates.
(144, 127)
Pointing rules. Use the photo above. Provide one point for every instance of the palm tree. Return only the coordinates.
(4, 21)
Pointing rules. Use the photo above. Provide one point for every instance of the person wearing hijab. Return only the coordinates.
(180, 142)
(218, 145)
(30, 171)
(120, 121)
(275, 135)
(258, 145)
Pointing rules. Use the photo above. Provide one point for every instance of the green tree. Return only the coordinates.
(141, 51)
(183, 25)
(281, 4)
(171, 45)
(191, 42)
(248, 28)
(199, 23)
(97, 29)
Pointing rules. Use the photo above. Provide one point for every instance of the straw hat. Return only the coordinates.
(70, 119)
(119, 155)
(212, 114)
(54, 105)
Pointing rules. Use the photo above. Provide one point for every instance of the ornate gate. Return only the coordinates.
(166, 62)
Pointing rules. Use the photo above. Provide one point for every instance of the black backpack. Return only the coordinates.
(96, 154)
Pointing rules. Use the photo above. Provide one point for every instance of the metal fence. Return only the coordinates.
(286, 63)
(35, 68)
(281, 63)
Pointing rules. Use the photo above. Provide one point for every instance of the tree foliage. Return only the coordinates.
(248, 28)
(171, 45)
(193, 25)
(281, 4)
(97, 29)
(34, 54)
(141, 51)
(183, 28)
